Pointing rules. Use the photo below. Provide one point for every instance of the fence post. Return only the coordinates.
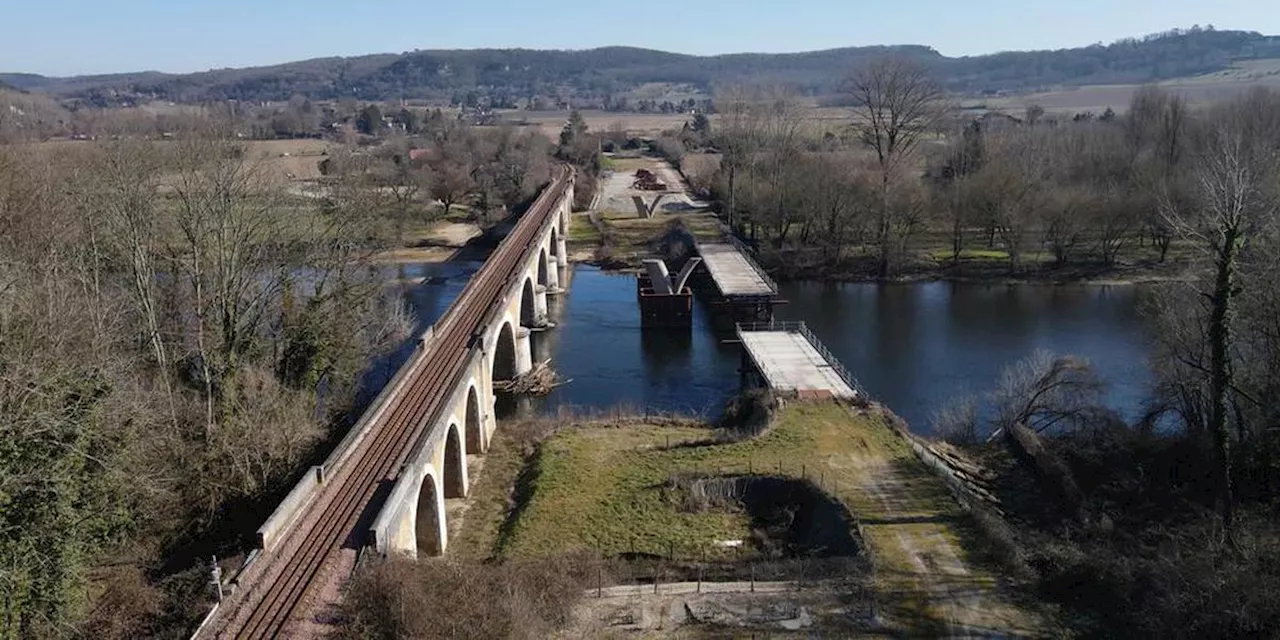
(753, 577)
(700, 564)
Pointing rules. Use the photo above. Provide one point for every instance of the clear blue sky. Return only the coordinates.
(68, 37)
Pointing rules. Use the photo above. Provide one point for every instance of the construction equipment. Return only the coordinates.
(646, 180)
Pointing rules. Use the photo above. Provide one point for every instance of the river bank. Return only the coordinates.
(621, 241)
(629, 224)
(976, 266)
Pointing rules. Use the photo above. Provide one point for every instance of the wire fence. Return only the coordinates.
(643, 574)
(761, 561)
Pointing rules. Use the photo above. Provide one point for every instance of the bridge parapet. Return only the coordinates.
(289, 509)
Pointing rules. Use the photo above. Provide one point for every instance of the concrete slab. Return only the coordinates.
(789, 362)
(732, 272)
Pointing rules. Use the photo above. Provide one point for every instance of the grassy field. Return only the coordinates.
(292, 160)
(816, 120)
(602, 487)
(1199, 91)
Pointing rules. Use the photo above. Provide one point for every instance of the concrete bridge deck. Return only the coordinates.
(734, 273)
(789, 358)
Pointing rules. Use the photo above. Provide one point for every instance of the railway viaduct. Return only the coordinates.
(384, 486)
(412, 522)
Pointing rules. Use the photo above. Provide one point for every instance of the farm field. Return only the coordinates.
(1197, 90)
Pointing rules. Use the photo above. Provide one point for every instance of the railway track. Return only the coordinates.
(281, 580)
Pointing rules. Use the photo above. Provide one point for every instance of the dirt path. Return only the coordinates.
(687, 609)
(924, 577)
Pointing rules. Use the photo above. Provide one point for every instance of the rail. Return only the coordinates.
(803, 329)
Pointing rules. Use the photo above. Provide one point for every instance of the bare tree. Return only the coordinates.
(832, 203)
(1156, 131)
(1064, 222)
(124, 200)
(739, 140)
(1114, 219)
(1045, 391)
(896, 104)
(404, 179)
(962, 160)
(1011, 188)
(230, 219)
(1235, 198)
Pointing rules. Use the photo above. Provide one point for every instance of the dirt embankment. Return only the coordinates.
(438, 242)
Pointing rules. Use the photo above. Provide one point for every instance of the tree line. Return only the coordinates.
(181, 333)
(509, 76)
(906, 185)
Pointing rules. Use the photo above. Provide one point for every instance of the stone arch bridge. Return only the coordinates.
(383, 487)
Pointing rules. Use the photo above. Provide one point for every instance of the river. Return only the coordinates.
(912, 346)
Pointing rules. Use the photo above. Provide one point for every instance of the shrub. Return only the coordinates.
(444, 599)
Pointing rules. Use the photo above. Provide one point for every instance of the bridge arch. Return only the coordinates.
(429, 521)
(455, 465)
(555, 241)
(474, 430)
(528, 304)
(504, 354)
(543, 277)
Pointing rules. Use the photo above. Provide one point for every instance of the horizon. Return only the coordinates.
(158, 31)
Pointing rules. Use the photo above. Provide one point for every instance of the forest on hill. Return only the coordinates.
(508, 76)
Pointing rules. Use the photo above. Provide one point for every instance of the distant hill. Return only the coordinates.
(508, 75)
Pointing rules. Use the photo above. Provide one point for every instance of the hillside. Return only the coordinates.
(505, 76)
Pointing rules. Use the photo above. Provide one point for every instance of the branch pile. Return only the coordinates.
(539, 381)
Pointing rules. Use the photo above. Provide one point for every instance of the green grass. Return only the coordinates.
(942, 254)
(490, 492)
(602, 488)
(581, 232)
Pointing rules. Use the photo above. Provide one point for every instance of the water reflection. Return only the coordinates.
(913, 346)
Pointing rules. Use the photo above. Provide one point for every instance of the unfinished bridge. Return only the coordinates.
(384, 487)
